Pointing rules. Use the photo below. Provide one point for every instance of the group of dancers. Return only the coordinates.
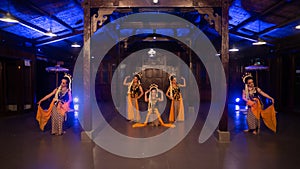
(152, 96)
(63, 97)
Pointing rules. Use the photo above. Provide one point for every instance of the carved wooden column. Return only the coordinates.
(91, 24)
(99, 18)
(87, 107)
(223, 133)
(221, 26)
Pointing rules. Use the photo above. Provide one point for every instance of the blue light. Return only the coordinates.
(237, 107)
(237, 100)
(76, 107)
(76, 114)
(76, 99)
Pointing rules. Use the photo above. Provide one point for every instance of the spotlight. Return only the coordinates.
(237, 100)
(155, 1)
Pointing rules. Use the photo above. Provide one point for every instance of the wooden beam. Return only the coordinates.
(161, 3)
(59, 38)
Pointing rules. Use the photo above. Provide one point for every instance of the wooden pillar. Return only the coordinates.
(2, 91)
(291, 86)
(87, 107)
(224, 135)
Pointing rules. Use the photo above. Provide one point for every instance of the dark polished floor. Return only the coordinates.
(23, 146)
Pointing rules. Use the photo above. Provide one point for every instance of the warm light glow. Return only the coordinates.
(155, 1)
(297, 27)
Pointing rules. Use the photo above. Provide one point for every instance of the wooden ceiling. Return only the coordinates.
(271, 20)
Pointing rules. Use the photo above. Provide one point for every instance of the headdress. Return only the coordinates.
(245, 76)
(70, 84)
(138, 74)
(171, 76)
(152, 86)
(70, 79)
(170, 80)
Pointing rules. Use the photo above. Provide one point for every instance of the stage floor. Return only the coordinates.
(24, 146)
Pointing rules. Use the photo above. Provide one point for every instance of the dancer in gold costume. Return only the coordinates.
(134, 92)
(173, 93)
(153, 113)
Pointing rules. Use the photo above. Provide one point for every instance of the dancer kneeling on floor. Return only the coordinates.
(153, 100)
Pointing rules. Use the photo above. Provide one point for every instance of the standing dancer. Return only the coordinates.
(173, 93)
(134, 92)
(255, 109)
(58, 107)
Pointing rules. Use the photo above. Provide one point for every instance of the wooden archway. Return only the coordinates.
(92, 23)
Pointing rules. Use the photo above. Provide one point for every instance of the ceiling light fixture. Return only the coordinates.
(297, 27)
(50, 33)
(259, 40)
(9, 18)
(155, 1)
(151, 52)
(233, 49)
(75, 45)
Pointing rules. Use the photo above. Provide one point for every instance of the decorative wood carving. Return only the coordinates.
(211, 17)
(100, 18)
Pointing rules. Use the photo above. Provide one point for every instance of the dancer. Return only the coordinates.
(173, 93)
(255, 109)
(153, 114)
(134, 92)
(58, 107)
